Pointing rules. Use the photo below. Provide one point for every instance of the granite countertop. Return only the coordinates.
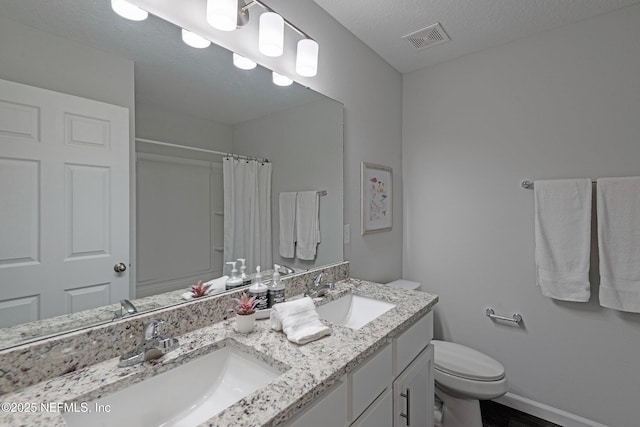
(307, 370)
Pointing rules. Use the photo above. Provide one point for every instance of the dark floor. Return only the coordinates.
(497, 415)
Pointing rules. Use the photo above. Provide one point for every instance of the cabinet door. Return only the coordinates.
(329, 410)
(379, 414)
(413, 393)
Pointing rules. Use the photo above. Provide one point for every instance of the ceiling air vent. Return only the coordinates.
(427, 37)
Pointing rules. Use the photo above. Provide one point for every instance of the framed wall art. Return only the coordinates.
(376, 201)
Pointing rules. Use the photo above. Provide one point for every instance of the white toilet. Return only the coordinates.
(463, 377)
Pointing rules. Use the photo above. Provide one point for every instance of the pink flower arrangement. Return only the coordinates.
(245, 305)
(199, 290)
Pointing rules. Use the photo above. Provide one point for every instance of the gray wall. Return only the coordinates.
(304, 144)
(371, 91)
(40, 59)
(178, 128)
(558, 105)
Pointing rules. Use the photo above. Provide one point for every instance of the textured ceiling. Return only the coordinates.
(168, 74)
(473, 25)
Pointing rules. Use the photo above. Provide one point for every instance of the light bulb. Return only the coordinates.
(280, 80)
(271, 34)
(307, 58)
(243, 63)
(128, 10)
(194, 40)
(222, 14)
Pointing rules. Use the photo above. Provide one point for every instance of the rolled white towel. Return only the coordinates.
(217, 284)
(299, 320)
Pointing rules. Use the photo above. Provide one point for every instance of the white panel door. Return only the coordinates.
(64, 203)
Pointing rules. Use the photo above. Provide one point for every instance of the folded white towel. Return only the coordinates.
(563, 238)
(299, 320)
(307, 224)
(619, 242)
(287, 204)
(216, 284)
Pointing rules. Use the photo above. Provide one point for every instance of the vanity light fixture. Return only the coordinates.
(307, 58)
(227, 15)
(243, 63)
(194, 40)
(128, 10)
(222, 14)
(271, 34)
(280, 80)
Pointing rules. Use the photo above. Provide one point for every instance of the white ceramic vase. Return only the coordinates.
(245, 322)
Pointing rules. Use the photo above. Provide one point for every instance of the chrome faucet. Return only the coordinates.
(320, 287)
(126, 309)
(153, 346)
(285, 269)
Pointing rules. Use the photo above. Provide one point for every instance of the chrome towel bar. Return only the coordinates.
(528, 185)
(492, 314)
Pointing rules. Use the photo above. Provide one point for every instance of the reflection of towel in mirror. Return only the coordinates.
(307, 224)
(287, 204)
(299, 320)
(217, 286)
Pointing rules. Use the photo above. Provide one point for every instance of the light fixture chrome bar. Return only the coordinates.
(269, 9)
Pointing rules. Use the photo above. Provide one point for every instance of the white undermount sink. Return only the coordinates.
(186, 395)
(353, 311)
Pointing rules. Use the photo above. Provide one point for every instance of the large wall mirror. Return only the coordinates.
(187, 106)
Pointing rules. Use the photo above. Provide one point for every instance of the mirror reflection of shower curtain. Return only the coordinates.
(247, 212)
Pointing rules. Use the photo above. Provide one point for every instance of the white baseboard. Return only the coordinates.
(546, 412)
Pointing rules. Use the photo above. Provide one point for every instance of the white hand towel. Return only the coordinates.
(563, 238)
(287, 203)
(216, 284)
(618, 202)
(307, 224)
(299, 320)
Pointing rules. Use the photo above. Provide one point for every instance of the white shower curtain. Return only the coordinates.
(247, 212)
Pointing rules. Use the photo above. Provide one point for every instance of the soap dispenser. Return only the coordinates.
(246, 280)
(260, 291)
(276, 289)
(234, 281)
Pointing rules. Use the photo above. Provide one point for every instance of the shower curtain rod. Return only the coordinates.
(202, 150)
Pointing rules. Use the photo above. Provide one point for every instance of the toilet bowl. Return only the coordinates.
(463, 376)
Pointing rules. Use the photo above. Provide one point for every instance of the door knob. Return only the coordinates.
(120, 267)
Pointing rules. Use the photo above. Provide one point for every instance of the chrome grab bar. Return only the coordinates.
(492, 314)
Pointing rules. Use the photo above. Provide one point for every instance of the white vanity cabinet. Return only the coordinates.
(393, 387)
(413, 393)
(330, 409)
(379, 414)
(413, 386)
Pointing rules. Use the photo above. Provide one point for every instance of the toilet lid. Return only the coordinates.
(405, 284)
(465, 362)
